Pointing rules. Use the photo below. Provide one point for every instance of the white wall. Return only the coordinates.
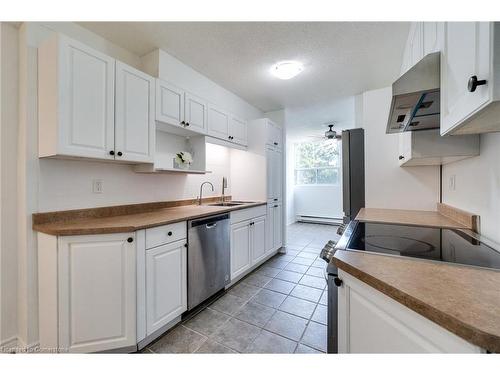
(387, 185)
(8, 186)
(319, 201)
(477, 185)
(47, 185)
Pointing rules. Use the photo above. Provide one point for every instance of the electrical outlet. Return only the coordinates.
(452, 182)
(97, 186)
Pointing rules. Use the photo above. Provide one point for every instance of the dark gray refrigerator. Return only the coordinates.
(353, 172)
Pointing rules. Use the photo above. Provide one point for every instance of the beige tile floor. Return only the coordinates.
(279, 308)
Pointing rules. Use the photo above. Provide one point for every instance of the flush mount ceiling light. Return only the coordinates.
(287, 69)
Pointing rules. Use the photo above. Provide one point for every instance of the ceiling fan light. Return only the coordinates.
(287, 69)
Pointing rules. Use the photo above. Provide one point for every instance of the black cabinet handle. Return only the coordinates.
(337, 281)
(474, 82)
(275, 199)
(183, 122)
(111, 152)
(185, 245)
(401, 157)
(275, 143)
(169, 233)
(187, 123)
(119, 153)
(275, 205)
(130, 239)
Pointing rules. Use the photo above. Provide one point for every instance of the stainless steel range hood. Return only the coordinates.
(415, 97)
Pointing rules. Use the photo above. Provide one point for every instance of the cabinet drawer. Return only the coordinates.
(247, 214)
(165, 234)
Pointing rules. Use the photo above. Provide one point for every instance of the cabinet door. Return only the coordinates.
(278, 137)
(277, 220)
(86, 101)
(466, 53)
(218, 123)
(258, 241)
(270, 228)
(166, 284)
(240, 248)
(97, 292)
(277, 175)
(405, 145)
(430, 34)
(270, 172)
(195, 113)
(169, 103)
(134, 115)
(238, 130)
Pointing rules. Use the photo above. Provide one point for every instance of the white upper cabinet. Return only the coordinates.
(218, 122)
(76, 100)
(134, 115)
(238, 130)
(180, 109)
(469, 66)
(427, 147)
(169, 103)
(195, 110)
(93, 106)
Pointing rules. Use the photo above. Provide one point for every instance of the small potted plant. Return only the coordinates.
(183, 160)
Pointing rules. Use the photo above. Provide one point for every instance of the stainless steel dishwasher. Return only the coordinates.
(208, 257)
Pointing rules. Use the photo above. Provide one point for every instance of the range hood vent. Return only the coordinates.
(415, 97)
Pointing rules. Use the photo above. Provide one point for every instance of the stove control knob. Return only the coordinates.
(337, 281)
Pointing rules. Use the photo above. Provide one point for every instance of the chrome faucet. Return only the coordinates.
(224, 187)
(201, 190)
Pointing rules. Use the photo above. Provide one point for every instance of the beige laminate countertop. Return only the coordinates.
(463, 300)
(129, 222)
(408, 217)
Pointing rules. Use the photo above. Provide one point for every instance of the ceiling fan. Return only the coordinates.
(329, 134)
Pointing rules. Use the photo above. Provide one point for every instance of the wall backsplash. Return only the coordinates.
(477, 185)
(67, 184)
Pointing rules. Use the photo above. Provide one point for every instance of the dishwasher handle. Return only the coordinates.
(208, 222)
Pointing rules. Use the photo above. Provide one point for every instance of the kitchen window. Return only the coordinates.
(317, 163)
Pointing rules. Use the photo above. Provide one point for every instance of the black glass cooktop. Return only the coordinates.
(447, 245)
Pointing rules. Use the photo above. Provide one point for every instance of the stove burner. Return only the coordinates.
(399, 244)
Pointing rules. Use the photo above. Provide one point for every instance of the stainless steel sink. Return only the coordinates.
(226, 204)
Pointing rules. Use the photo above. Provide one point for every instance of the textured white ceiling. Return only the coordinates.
(341, 58)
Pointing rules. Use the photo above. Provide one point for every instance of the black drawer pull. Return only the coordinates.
(169, 233)
(130, 239)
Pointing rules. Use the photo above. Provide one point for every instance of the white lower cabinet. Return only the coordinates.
(240, 249)
(249, 240)
(248, 245)
(87, 292)
(277, 226)
(166, 284)
(371, 322)
(258, 239)
(274, 235)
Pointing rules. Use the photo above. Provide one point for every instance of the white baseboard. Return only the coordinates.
(318, 220)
